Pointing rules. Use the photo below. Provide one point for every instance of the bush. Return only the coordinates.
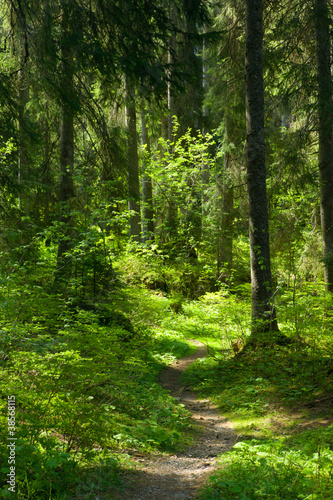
(275, 470)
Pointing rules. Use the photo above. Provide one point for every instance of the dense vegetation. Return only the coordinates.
(131, 161)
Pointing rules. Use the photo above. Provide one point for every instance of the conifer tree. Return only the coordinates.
(325, 132)
(263, 314)
(66, 147)
(132, 164)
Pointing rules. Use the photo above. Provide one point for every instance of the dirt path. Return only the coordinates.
(180, 476)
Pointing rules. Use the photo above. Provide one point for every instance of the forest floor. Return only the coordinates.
(181, 475)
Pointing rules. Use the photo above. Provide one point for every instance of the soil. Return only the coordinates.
(180, 476)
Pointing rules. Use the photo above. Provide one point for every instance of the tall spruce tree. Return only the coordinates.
(132, 163)
(325, 130)
(263, 313)
(66, 147)
(147, 185)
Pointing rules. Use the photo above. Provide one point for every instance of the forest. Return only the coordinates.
(166, 190)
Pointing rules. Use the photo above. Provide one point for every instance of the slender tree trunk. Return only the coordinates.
(24, 97)
(325, 116)
(263, 314)
(205, 174)
(227, 219)
(225, 200)
(66, 192)
(45, 198)
(147, 188)
(66, 188)
(166, 216)
(132, 165)
(192, 114)
(204, 196)
(204, 86)
(170, 222)
(171, 99)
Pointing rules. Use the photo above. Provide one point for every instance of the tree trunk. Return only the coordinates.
(263, 313)
(147, 188)
(192, 112)
(171, 99)
(325, 117)
(225, 210)
(66, 195)
(227, 219)
(205, 174)
(132, 165)
(24, 97)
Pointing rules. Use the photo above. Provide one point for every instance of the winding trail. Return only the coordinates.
(180, 476)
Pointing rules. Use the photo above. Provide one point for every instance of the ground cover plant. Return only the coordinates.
(84, 377)
(279, 398)
(84, 374)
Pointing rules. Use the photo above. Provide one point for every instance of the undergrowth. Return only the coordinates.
(275, 469)
(271, 395)
(83, 377)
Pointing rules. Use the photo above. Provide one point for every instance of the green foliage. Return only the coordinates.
(82, 359)
(275, 469)
(84, 379)
(41, 469)
(154, 269)
(268, 393)
(179, 193)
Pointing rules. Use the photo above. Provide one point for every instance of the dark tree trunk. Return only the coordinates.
(325, 116)
(263, 314)
(66, 195)
(225, 209)
(171, 225)
(192, 111)
(24, 97)
(171, 99)
(66, 188)
(132, 165)
(147, 188)
(227, 219)
(205, 174)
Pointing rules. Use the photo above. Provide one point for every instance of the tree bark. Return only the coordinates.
(205, 175)
(225, 210)
(325, 118)
(263, 313)
(147, 188)
(24, 97)
(171, 99)
(193, 98)
(227, 219)
(66, 188)
(132, 165)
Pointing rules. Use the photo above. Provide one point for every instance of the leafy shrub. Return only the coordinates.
(275, 470)
(41, 469)
(82, 392)
(151, 268)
